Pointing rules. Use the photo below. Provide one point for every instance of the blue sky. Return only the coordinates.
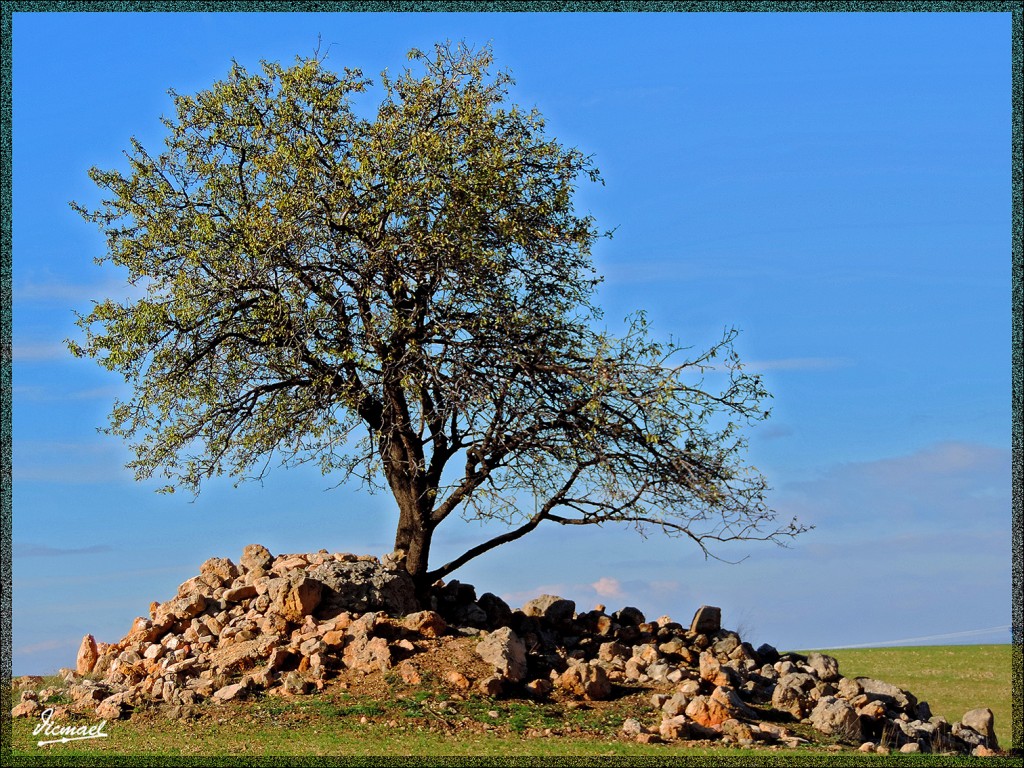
(835, 185)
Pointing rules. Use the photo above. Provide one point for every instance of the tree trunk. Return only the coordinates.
(413, 538)
(402, 452)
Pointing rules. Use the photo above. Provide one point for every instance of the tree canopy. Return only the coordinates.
(404, 298)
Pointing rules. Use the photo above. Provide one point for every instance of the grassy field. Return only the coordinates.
(404, 721)
(951, 678)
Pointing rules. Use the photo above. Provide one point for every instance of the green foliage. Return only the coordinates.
(395, 299)
(359, 710)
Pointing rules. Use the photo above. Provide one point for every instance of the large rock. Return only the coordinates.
(27, 708)
(88, 655)
(242, 655)
(364, 585)
(181, 608)
(219, 570)
(672, 728)
(238, 594)
(368, 654)
(114, 707)
(612, 651)
(982, 721)
(708, 711)
(629, 616)
(555, 609)
(707, 620)
(836, 717)
(712, 671)
(895, 698)
(731, 700)
(294, 596)
(788, 697)
(256, 557)
(825, 667)
(230, 692)
(503, 650)
(425, 623)
(587, 680)
(849, 688)
(499, 614)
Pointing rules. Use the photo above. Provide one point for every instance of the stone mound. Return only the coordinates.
(287, 625)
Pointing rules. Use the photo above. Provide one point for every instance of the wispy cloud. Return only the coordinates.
(22, 583)
(670, 271)
(69, 462)
(947, 486)
(639, 94)
(38, 351)
(56, 291)
(45, 550)
(46, 645)
(39, 394)
(799, 364)
(774, 432)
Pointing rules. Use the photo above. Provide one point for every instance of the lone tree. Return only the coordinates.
(407, 296)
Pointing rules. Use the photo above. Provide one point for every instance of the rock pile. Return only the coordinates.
(286, 625)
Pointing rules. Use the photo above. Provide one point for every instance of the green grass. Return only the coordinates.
(423, 723)
(951, 678)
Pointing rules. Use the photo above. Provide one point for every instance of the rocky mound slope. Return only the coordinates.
(289, 625)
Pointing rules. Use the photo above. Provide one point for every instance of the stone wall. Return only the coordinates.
(288, 624)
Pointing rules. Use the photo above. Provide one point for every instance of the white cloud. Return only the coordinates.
(607, 587)
(517, 598)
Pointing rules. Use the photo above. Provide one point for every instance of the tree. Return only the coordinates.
(407, 297)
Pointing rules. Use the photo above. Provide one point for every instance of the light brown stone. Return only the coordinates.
(238, 594)
(335, 638)
(711, 670)
(114, 707)
(410, 675)
(425, 623)
(586, 680)
(241, 655)
(612, 651)
(294, 596)
(503, 650)
(673, 728)
(368, 655)
(88, 655)
(230, 692)
(26, 708)
(256, 556)
(708, 712)
(221, 569)
(457, 679)
(491, 686)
